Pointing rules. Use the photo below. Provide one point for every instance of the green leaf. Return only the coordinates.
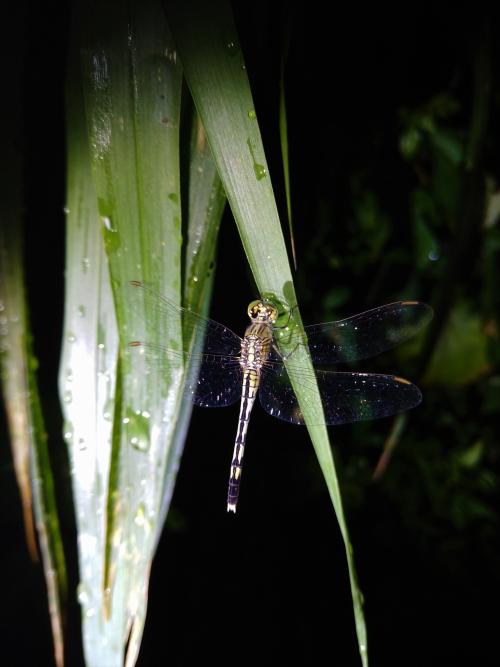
(206, 202)
(127, 423)
(215, 71)
(460, 355)
(284, 133)
(87, 382)
(24, 416)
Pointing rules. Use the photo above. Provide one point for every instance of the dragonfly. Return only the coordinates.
(231, 368)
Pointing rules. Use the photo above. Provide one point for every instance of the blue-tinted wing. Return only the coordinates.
(151, 307)
(361, 336)
(212, 348)
(346, 397)
(217, 385)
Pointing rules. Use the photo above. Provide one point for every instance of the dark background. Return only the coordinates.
(385, 206)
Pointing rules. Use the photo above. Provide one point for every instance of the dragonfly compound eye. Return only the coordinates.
(262, 311)
(254, 310)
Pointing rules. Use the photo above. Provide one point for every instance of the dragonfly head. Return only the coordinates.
(262, 311)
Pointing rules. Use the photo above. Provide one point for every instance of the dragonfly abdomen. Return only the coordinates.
(255, 348)
(251, 379)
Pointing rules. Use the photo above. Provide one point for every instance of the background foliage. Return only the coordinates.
(394, 144)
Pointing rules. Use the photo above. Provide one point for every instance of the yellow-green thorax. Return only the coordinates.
(259, 335)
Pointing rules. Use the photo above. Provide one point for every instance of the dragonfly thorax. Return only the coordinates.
(256, 344)
(255, 347)
(262, 311)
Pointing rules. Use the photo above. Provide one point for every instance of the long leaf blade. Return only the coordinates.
(215, 72)
(131, 87)
(24, 415)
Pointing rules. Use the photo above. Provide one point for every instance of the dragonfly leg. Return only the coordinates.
(290, 317)
(285, 357)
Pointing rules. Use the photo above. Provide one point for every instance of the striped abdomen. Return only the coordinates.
(250, 385)
(254, 352)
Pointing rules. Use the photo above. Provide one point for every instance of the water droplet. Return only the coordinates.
(82, 445)
(433, 255)
(140, 516)
(66, 210)
(90, 612)
(106, 221)
(137, 429)
(171, 55)
(85, 264)
(140, 445)
(101, 336)
(232, 47)
(108, 410)
(69, 375)
(81, 311)
(141, 520)
(70, 337)
(112, 239)
(252, 115)
(68, 431)
(260, 171)
(173, 196)
(82, 594)
(100, 346)
(67, 396)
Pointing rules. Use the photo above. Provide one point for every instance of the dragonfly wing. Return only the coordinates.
(346, 397)
(151, 308)
(214, 378)
(216, 385)
(213, 381)
(364, 335)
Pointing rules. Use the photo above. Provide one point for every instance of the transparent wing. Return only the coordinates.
(361, 336)
(151, 307)
(346, 397)
(217, 385)
(213, 348)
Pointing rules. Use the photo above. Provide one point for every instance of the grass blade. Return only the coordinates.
(206, 202)
(283, 123)
(14, 370)
(24, 417)
(124, 202)
(87, 382)
(215, 72)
